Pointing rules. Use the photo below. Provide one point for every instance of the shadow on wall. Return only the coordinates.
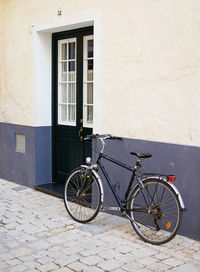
(182, 161)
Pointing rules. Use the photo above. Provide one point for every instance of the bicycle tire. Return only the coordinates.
(82, 195)
(156, 211)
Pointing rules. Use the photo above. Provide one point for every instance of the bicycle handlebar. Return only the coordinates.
(103, 137)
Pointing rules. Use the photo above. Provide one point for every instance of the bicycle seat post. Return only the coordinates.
(103, 144)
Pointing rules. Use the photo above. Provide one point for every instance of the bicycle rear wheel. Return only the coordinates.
(156, 211)
(82, 195)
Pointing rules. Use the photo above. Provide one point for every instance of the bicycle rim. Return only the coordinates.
(156, 212)
(82, 196)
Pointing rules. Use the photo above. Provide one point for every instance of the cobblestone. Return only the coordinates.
(36, 234)
(110, 265)
(91, 260)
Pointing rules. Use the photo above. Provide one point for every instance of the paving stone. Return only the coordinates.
(147, 261)
(161, 256)
(159, 267)
(186, 268)
(172, 262)
(44, 260)
(3, 265)
(7, 256)
(132, 267)
(67, 260)
(118, 270)
(32, 264)
(125, 249)
(91, 260)
(144, 270)
(48, 267)
(14, 262)
(86, 253)
(144, 252)
(110, 265)
(20, 252)
(31, 270)
(63, 269)
(77, 266)
(93, 269)
(18, 268)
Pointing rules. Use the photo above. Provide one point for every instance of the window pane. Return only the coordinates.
(71, 113)
(90, 70)
(90, 93)
(63, 93)
(71, 93)
(71, 76)
(72, 50)
(64, 51)
(90, 48)
(63, 113)
(64, 71)
(89, 114)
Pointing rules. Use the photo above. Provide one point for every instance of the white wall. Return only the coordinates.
(147, 83)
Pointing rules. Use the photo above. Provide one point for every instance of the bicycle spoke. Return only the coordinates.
(82, 196)
(162, 217)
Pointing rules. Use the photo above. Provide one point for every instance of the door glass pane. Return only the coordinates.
(90, 70)
(71, 71)
(63, 113)
(71, 93)
(90, 48)
(88, 77)
(90, 93)
(72, 50)
(71, 113)
(89, 114)
(63, 93)
(64, 51)
(64, 71)
(67, 82)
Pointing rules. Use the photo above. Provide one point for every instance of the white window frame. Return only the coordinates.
(85, 81)
(60, 82)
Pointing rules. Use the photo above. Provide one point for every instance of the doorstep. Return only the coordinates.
(55, 189)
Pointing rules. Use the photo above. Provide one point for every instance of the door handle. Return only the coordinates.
(80, 130)
(79, 134)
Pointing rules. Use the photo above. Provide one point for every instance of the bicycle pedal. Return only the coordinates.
(103, 208)
(106, 208)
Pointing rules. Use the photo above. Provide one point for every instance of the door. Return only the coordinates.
(72, 63)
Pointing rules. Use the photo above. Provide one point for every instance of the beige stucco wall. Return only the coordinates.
(148, 65)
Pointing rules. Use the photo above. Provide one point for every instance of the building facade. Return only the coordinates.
(129, 68)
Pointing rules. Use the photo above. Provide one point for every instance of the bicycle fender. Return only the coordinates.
(179, 195)
(163, 178)
(98, 179)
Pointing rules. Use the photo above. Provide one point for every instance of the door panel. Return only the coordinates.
(69, 149)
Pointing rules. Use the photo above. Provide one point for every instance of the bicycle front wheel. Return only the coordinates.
(155, 211)
(82, 195)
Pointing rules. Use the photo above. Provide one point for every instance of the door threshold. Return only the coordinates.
(55, 189)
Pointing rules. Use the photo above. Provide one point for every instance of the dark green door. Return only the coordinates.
(72, 63)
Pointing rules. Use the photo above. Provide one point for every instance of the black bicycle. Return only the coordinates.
(154, 205)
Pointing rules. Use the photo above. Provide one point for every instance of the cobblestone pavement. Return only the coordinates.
(36, 234)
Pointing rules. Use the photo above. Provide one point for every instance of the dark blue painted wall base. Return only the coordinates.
(29, 168)
(183, 161)
(34, 167)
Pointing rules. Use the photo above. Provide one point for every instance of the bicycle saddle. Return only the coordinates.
(141, 155)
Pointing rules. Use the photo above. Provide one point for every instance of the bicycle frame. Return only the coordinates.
(119, 201)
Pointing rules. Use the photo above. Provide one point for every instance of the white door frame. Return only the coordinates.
(42, 78)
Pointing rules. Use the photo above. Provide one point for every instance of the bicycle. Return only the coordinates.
(154, 205)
